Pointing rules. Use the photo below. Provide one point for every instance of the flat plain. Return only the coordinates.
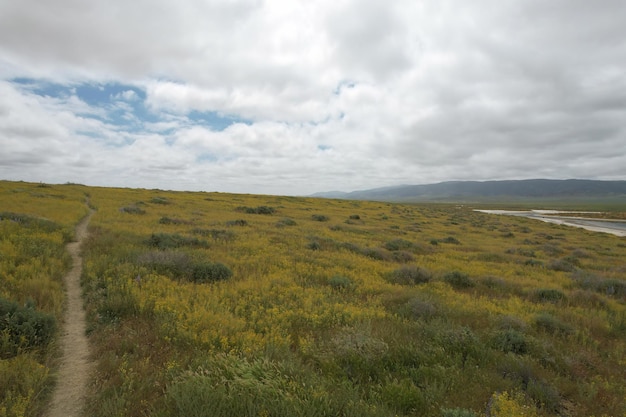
(213, 304)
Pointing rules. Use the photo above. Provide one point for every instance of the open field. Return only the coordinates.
(212, 304)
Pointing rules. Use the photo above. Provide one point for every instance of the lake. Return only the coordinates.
(615, 227)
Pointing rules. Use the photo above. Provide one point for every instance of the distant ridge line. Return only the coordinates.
(490, 190)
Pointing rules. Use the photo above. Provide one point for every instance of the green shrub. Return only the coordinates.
(458, 280)
(339, 282)
(160, 200)
(286, 221)
(409, 275)
(210, 272)
(402, 256)
(549, 295)
(398, 244)
(169, 220)
(420, 309)
(545, 395)
(23, 328)
(550, 324)
(320, 218)
(216, 234)
(238, 222)
(457, 412)
(451, 239)
(563, 265)
(164, 241)
(314, 245)
(257, 210)
(379, 254)
(510, 340)
(174, 264)
(132, 209)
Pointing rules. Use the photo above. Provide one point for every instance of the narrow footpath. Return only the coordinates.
(68, 398)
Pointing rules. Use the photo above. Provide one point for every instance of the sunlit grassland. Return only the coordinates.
(36, 221)
(336, 307)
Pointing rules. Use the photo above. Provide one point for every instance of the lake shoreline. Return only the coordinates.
(612, 226)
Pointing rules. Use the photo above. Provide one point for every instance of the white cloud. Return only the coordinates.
(330, 94)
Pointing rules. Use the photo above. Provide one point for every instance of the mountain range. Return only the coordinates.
(477, 191)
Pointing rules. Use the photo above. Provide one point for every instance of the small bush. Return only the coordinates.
(238, 222)
(160, 200)
(409, 275)
(257, 210)
(403, 256)
(174, 264)
(421, 309)
(458, 280)
(457, 412)
(314, 245)
(550, 324)
(339, 282)
(545, 395)
(451, 239)
(378, 254)
(164, 241)
(132, 209)
(398, 244)
(220, 235)
(510, 341)
(549, 295)
(563, 265)
(286, 221)
(355, 217)
(23, 328)
(210, 272)
(320, 218)
(169, 220)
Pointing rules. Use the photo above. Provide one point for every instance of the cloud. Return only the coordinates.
(298, 97)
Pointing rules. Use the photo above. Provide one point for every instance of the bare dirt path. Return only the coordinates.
(68, 398)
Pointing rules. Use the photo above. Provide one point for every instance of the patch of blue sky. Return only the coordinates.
(206, 157)
(215, 120)
(122, 105)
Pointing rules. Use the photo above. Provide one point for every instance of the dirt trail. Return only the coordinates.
(68, 399)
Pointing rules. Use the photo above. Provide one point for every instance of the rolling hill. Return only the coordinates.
(466, 191)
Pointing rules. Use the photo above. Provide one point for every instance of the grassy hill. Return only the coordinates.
(534, 191)
(213, 304)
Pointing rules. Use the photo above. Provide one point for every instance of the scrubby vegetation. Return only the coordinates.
(407, 310)
(36, 221)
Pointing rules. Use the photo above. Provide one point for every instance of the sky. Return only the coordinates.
(296, 97)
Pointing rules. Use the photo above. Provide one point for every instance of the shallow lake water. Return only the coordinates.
(567, 218)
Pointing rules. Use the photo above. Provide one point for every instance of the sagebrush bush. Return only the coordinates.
(551, 324)
(459, 280)
(457, 412)
(132, 209)
(549, 295)
(340, 282)
(171, 241)
(320, 217)
(257, 210)
(409, 275)
(510, 340)
(209, 272)
(238, 222)
(398, 244)
(23, 328)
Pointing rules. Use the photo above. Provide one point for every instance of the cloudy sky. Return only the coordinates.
(294, 97)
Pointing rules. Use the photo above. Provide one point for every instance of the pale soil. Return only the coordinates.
(68, 398)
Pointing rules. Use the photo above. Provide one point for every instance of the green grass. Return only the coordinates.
(330, 307)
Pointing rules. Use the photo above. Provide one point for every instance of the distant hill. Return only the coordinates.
(477, 191)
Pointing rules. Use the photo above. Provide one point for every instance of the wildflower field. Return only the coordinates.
(212, 304)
